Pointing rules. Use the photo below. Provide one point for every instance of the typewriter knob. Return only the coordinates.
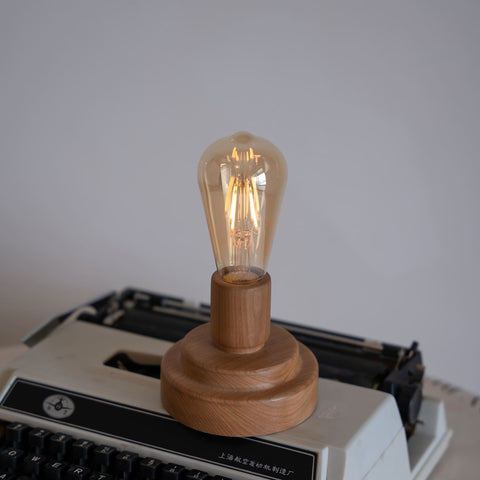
(409, 401)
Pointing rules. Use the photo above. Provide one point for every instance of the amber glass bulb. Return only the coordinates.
(242, 179)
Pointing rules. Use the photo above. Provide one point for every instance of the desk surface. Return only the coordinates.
(462, 459)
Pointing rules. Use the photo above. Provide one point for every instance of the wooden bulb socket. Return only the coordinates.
(240, 314)
(237, 375)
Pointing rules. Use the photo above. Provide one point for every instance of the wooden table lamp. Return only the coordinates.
(238, 375)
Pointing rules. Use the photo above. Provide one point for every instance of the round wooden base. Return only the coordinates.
(239, 395)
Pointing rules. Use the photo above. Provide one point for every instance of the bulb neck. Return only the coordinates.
(240, 314)
(241, 275)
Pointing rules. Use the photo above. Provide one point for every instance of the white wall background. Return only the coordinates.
(106, 107)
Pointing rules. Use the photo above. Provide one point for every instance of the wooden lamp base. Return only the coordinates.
(209, 386)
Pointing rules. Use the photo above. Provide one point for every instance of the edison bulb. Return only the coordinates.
(242, 179)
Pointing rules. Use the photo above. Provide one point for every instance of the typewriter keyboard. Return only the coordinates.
(28, 453)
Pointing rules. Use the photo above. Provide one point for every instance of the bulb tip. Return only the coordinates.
(243, 137)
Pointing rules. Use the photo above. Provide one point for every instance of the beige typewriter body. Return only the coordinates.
(354, 433)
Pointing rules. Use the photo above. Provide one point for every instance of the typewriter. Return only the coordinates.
(83, 403)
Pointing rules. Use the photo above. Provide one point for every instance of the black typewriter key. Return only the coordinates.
(55, 470)
(149, 468)
(82, 451)
(59, 445)
(33, 464)
(16, 434)
(10, 459)
(7, 476)
(172, 471)
(103, 457)
(125, 463)
(37, 438)
(76, 472)
(196, 475)
(100, 476)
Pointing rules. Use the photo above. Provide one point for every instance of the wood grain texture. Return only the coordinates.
(230, 394)
(240, 314)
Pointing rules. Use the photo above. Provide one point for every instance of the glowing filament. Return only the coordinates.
(241, 203)
(242, 206)
(253, 212)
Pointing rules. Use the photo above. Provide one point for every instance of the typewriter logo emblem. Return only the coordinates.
(58, 406)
